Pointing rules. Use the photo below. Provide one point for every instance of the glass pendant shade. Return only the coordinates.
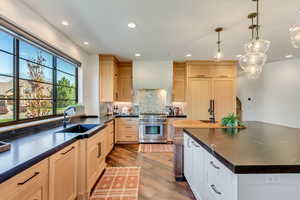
(257, 46)
(295, 36)
(248, 61)
(219, 55)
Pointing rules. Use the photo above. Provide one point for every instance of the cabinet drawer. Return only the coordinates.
(128, 138)
(32, 182)
(128, 121)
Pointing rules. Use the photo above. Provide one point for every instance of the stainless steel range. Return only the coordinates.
(152, 128)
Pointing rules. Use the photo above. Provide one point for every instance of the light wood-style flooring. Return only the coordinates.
(157, 179)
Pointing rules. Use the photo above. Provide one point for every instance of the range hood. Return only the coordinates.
(152, 75)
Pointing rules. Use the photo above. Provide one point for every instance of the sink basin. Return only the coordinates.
(80, 128)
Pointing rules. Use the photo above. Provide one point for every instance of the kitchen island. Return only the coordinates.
(259, 162)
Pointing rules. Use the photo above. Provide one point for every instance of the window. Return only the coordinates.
(34, 83)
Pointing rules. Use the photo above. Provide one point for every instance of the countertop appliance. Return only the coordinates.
(152, 128)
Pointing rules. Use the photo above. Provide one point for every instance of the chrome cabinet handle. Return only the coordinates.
(214, 165)
(213, 187)
(34, 175)
(64, 153)
(196, 145)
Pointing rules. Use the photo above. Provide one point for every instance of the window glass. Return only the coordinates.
(6, 63)
(6, 42)
(66, 66)
(6, 110)
(6, 87)
(35, 108)
(32, 71)
(62, 105)
(65, 79)
(35, 90)
(34, 54)
(66, 93)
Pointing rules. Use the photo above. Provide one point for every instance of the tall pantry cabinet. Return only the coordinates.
(207, 81)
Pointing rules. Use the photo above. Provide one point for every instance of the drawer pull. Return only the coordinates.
(99, 149)
(196, 145)
(64, 153)
(214, 165)
(128, 126)
(128, 136)
(213, 187)
(34, 175)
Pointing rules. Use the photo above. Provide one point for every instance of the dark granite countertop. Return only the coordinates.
(32, 148)
(108, 118)
(260, 148)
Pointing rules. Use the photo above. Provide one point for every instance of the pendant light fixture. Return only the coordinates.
(219, 54)
(257, 45)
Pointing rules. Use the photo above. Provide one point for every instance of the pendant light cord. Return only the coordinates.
(257, 20)
(219, 42)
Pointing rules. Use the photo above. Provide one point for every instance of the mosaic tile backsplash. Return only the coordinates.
(151, 101)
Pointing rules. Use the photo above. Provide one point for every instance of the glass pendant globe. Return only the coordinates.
(257, 46)
(252, 59)
(219, 55)
(253, 72)
(295, 36)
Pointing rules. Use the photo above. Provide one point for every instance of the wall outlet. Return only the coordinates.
(272, 179)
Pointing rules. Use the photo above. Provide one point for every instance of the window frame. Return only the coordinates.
(16, 77)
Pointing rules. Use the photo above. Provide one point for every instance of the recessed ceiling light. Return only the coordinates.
(137, 55)
(289, 56)
(298, 11)
(238, 56)
(85, 43)
(65, 23)
(188, 55)
(131, 25)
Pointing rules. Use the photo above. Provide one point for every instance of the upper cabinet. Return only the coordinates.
(124, 81)
(211, 69)
(108, 78)
(179, 81)
(115, 79)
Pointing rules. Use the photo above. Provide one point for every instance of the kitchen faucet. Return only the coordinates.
(211, 111)
(69, 111)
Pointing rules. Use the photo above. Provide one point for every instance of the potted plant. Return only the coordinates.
(231, 121)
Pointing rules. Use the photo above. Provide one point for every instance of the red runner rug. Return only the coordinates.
(156, 148)
(118, 183)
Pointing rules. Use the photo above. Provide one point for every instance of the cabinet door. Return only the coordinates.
(224, 94)
(198, 97)
(63, 174)
(198, 178)
(94, 152)
(125, 89)
(188, 159)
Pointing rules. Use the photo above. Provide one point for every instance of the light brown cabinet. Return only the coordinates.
(125, 81)
(127, 130)
(95, 156)
(110, 136)
(63, 173)
(179, 81)
(211, 69)
(202, 90)
(31, 184)
(209, 80)
(108, 78)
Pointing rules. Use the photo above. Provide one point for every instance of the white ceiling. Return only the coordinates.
(170, 29)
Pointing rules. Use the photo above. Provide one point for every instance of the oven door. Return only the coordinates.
(151, 132)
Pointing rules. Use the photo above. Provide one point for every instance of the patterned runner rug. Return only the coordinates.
(118, 183)
(156, 148)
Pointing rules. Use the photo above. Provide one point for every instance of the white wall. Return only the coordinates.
(275, 95)
(26, 18)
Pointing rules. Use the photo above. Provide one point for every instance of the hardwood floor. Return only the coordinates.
(157, 178)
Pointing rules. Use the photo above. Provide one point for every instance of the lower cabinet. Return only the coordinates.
(208, 178)
(127, 130)
(194, 167)
(32, 184)
(63, 173)
(96, 149)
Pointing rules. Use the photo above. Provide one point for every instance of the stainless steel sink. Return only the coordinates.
(80, 128)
